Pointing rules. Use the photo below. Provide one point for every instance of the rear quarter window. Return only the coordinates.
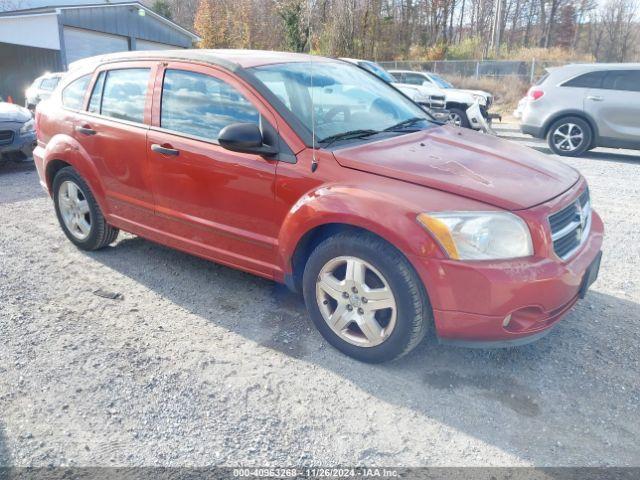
(73, 94)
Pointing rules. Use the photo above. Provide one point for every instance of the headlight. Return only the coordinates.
(27, 127)
(479, 235)
(481, 99)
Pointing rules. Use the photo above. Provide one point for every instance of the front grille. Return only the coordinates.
(437, 101)
(6, 137)
(570, 226)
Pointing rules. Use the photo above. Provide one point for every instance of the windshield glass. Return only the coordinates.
(343, 100)
(442, 83)
(378, 70)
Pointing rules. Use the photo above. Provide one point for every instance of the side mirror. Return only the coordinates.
(245, 138)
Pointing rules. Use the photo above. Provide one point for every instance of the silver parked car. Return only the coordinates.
(41, 89)
(580, 107)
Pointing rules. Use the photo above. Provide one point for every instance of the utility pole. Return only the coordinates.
(497, 27)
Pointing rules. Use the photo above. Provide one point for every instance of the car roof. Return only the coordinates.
(405, 71)
(227, 58)
(588, 67)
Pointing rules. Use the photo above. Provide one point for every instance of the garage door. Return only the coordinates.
(146, 45)
(80, 43)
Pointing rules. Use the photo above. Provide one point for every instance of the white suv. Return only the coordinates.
(458, 100)
(580, 107)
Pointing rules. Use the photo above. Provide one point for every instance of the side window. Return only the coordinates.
(49, 84)
(96, 96)
(124, 94)
(201, 105)
(628, 80)
(73, 94)
(587, 80)
(414, 79)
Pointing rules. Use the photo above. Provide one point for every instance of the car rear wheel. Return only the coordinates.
(458, 117)
(365, 298)
(570, 136)
(78, 212)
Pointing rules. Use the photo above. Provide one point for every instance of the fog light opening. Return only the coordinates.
(505, 322)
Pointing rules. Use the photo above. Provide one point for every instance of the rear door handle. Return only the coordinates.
(87, 130)
(595, 98)
(164, 150)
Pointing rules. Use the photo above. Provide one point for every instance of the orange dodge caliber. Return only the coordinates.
(317, 174)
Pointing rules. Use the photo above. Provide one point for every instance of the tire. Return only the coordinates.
(461, 114)
(404, 325)
(578, 130)
(99, 233)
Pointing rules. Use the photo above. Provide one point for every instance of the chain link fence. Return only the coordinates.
(527, 71)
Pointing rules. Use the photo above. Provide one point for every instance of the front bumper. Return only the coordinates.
(505, 303)
(21, 144)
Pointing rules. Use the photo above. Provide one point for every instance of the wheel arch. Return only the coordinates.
(64, 151)
(459, 105)
(571, 113)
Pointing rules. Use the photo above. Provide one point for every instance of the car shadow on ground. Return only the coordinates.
(516, 399)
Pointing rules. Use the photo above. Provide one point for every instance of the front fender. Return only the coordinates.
(378, 212)
(67, 149)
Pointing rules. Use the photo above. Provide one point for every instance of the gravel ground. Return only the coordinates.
(196, 364)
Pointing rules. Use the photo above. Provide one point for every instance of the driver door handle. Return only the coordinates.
(165, 150)
(86, 130)
(595, 98)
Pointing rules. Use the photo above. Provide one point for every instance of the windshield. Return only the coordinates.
(378, 70)
(442, 83)
(344, 99)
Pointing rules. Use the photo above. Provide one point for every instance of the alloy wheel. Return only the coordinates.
(454, 119)
(568, 137)
(356, 301)
(74, 209)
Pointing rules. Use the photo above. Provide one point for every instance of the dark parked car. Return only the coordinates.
(17, 132)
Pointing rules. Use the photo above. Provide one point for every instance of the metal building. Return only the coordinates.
(48, 38)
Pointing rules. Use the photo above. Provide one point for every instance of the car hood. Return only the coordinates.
(463, 162)
(460, 96)
(425, 90)
(482, 93)
(10, 112)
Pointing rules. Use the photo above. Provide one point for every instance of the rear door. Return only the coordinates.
(616, 106)
(113, 131)
(210, 200)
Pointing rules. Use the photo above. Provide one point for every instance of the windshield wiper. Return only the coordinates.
(405, 123)
(361, 133)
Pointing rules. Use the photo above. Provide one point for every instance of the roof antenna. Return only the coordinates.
(314, 160)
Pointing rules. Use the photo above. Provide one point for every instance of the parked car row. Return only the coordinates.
(580, 107)
(324, 177)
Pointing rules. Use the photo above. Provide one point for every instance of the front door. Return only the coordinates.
(616, 106)
(212, 201)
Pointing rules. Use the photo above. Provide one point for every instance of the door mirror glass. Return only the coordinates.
(245, 138)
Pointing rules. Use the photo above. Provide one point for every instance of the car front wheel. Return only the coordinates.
(458, 117)
(365, 298)
(78, 212)
(570, 136)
